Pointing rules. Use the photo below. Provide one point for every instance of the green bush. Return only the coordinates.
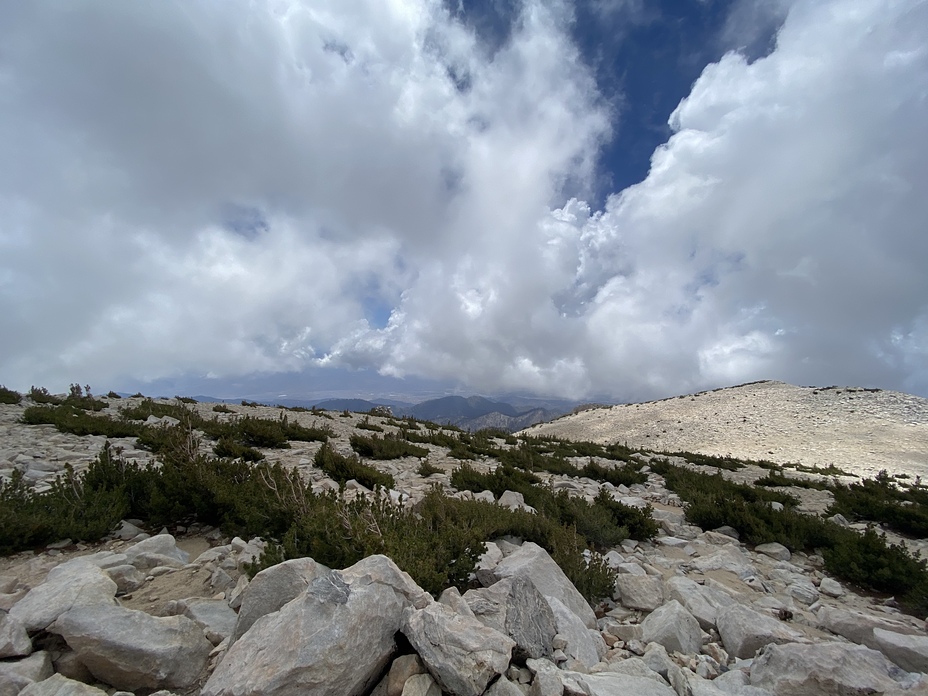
(387, 447)
(426, 469)
(186, 399)
(342, 469)
(40, 395)
(9, 396)
(365, 424)
(222, 408)
(234, 450)
(112, 395)
(68, 419)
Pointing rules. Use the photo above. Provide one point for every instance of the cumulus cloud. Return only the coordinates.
(271, 187)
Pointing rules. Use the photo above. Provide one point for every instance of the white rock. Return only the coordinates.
(533, 562)
(729, 558)
(15, 675)
(700, 601)
(273, 587)
(68, 586)
(460, 652)
(213, 615)
(644, 593)
(515, 608)
(774, 550)
(857, 626)
(618, 684)
(824, 668)
(421, 685)
(133, 650)
(334, 638)
(803, 591)
(907, 651)
(581, 644)
(831, 588)
(745, 631)
(14, 641)
(673, 627)
(57, 685)
(159, 550)
(127, 577)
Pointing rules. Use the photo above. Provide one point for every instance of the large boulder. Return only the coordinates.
(837, 669)
(745, 631)
(133, 650)
(68, 586)
(730, 558)
(533, 562)
(673, 627)
(515, 608)
(58, 685)
(907, 651)
(583, 644)
(160, 550)
(640, 592)
(273, 587)
(700, 601)
(857, 626)
(460, 652)
(14, 641)
(334, 639)
(381, 570)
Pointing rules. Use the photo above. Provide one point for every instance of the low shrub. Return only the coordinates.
(40, 395)
(9, 396)
(365, 424)
(387, 447)
(222, 408)
(426, 469)
(342, 469)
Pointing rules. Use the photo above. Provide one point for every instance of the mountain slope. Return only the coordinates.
(858, 430)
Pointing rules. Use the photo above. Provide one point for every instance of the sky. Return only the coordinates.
(591, 199)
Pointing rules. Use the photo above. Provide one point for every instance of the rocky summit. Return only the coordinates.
(691, 611)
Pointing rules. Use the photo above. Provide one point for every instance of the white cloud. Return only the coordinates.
(378, 155)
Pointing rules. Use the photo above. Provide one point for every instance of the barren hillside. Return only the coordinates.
(858, 430)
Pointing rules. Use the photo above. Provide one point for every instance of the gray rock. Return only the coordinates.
(401, 670)
(133, 650)
(700, 601)
(673, 627)
(909, 652)
(460, 652)
(504, 687)
(381, 570)
(831, 588)
(58, 685)
(857, 626)
(630, 569)
(618, 684)
(581, 643)
(804, 592)
(68, 586)
(644, 593)
(824, 668)
(745, 631)
(452, 599)
(273, 587)
(487, 562)
(421, 685)
(515, 608)
(215, 616)
(729, 558)
(127, 577)
(533, 562)
(635, 667)
(332, 639)
(15, 675)
(14, 641)
(159, 550)
(774, 550)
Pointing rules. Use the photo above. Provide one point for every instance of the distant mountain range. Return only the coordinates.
(469, 413)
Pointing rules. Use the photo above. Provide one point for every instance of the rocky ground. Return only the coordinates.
(858, 430)
(693, 613)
